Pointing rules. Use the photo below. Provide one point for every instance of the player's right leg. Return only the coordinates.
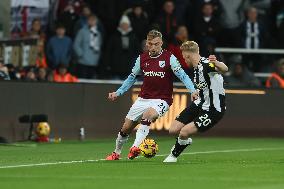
(183, 123)
(182, 142)
(131, 121)
(122, 138)
(154, 108)
(203, 122)
(149, 116)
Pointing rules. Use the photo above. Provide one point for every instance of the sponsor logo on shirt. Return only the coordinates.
(154, 74)
(202, 85)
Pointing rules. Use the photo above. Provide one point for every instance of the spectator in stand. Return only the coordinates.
(167, 20)
(69, 18)
(180, 37)
(253, 36)
(215, 4)
(230, 19)
(41, 74)
(59, 48)
(36, 32)
(206, 30)
(242, 77)
(83, 20)
(76, 4)
(194, 11)
(41, 57)
(276, 80)
(30, 74)
(139, 21)
(61, 74)
(122, 49)
(13, 71)
(253, 32)
(4, 73)
(264, 10)
(87, 47)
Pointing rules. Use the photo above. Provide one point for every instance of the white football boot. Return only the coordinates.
(170, 159)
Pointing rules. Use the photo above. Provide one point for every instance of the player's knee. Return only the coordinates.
(173, 131)
(150, 115)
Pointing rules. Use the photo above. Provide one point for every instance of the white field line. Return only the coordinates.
(160, 155)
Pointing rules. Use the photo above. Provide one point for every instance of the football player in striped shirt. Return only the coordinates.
(206, 111)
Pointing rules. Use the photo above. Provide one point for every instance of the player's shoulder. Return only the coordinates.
(167, 53)
(207, 65)
(204, 60)
(144, 55)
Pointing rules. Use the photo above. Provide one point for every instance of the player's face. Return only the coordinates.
(154, 46)
(188, 57)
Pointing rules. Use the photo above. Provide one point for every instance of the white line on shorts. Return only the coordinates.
(160, 155)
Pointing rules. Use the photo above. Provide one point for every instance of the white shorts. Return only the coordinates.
(141, 105)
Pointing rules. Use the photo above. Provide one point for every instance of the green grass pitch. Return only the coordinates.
(211, 163)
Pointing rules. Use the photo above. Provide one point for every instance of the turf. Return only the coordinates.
(208, 163)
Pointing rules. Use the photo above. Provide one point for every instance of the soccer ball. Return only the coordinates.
(148, 148)
(43, 129)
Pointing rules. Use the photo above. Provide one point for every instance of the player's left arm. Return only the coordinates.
(180, 73)
(127, 84)
(216, 65)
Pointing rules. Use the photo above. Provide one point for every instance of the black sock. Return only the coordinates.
(178, 149)
(123, 134)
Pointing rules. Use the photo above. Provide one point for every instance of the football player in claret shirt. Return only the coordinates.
(206, 111)
(157, 67)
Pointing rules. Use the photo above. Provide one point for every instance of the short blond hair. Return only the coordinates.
(190, 46)
(153, 34)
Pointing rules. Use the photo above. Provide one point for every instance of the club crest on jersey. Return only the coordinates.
(162, 64)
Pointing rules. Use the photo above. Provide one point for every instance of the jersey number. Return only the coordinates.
(204, 121)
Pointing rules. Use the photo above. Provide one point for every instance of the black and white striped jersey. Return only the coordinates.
(210, 85)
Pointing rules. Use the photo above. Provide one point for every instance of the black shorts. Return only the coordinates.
(202, 119)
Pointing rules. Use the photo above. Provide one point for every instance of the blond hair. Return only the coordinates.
(190, 46)
(153, 34)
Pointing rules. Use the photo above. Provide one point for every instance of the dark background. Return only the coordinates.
(71, 106)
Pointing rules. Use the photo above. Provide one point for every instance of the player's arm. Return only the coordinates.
(216, 65)
(180, 73)
(131, 79)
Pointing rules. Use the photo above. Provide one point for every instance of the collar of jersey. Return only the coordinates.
(198, 64)
(157, 55)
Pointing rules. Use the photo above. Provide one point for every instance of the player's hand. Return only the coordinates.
(112, 96)
(212, 59)
(194, 95)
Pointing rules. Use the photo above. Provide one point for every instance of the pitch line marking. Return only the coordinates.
(160, 155)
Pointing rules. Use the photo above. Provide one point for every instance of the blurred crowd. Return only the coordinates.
(100, 39)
